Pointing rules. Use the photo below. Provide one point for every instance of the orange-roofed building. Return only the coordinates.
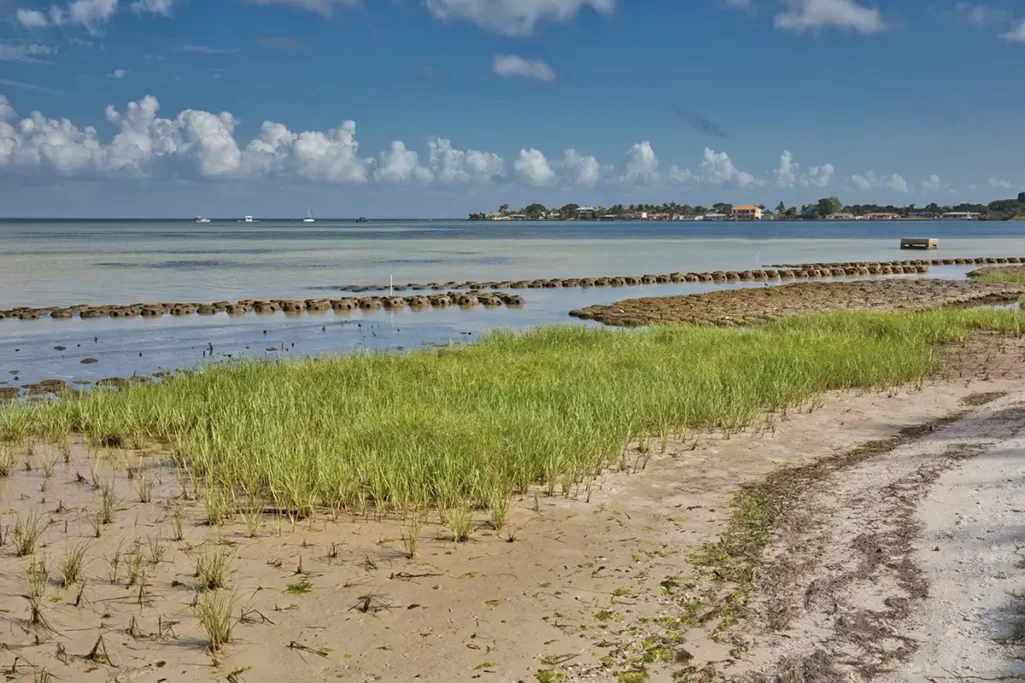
(747, 212)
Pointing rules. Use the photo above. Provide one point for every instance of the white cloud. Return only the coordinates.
(147, 144)
(585, 170)
(814, 15)
(25, 53)
(118, 73)
(717, 167)
(533, 167)
(789, 174)
(932, 183)
(510, 66)
(162, 7)
(92, 14)
(1000, 182)
(31, 19)
(682, 175)
(514, 17)
(400, 165)
(1017, 32)
(871, 180)
(451, 165)
(641, 163)
(323, 7)
(978, 16)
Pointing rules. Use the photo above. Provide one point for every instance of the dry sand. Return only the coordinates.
(589, 586)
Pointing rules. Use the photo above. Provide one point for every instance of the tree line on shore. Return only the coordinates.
(998, 210)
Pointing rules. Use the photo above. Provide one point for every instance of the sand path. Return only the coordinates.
(904, 566)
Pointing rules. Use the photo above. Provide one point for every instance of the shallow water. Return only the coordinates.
(107, 262)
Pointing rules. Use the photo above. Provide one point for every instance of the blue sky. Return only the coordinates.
(408, 108)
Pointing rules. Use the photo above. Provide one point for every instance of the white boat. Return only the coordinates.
(309, 216)
(201, 219)
(248, 219)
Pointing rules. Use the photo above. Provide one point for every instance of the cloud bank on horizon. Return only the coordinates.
(201, 145)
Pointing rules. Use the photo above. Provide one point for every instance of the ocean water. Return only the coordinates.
(109, 262)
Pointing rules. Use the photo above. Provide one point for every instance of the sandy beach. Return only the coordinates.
(602, 584)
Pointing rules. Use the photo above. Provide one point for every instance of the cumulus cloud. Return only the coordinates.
(585, 170)
(400, 165)
(514, 66)
(1017, 32)
(789, 174)
(25, 53)
(31, 18)
(871, 180)
(1000, 182)
(801, 16)
(533, 167)
(641, 163)
(717, 167)
(118, 73)
(513, 17)
(147, 144)
(453, 165)
(934, 183)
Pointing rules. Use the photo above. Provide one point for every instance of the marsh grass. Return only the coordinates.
(50, 460)
(6, 460)
(410, 534)
(26, 534)
(212, 569)
(109, 503)
(144, 485)
(214, 609)
(72, 562)
(38, 578)
(465, 427)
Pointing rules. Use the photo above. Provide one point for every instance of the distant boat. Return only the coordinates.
(362, 219)
(248, 219)
(309, 216)
(201, 219)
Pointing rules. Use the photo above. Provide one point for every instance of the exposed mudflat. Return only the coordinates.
(745, 306)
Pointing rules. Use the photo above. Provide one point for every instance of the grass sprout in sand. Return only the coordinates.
(468, 426)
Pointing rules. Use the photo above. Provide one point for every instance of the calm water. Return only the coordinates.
(63, 263)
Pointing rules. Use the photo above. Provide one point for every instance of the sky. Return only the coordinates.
(436, 108)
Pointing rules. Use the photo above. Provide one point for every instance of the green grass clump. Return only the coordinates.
(212, 569)
(464, 427)
(27, 533)
(215, 616)
(72, 562)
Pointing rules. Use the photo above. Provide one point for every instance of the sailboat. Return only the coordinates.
(309, 216)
